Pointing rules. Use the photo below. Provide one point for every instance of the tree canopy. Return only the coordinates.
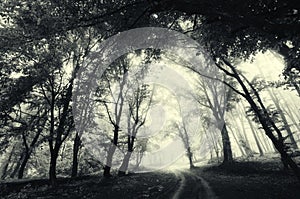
(44, 43)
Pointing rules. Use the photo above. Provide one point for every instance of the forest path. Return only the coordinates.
(193, 186)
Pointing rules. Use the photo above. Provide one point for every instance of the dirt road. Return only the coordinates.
(193, 186)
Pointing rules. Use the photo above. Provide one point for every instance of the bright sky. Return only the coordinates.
(268, 65)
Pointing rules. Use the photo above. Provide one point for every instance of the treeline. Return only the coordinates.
(44, 44)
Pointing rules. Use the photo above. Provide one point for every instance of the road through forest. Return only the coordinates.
(193, 186)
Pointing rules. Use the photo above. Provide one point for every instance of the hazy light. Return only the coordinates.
(155, 16)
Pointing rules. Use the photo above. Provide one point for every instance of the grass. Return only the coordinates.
(147, 185)
(252, 179)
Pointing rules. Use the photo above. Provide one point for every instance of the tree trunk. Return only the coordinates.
(17, 167)
(23, 165)
(124, 167)
(215, 144)
(226, 145)
(246, 142)
(261, 152)
(4, 169)
(28, 149)
(284, 121)
(237, 142)
(190, 156)
(76, 147)
(138, 160)
(52, 169)
(125, 162)
(290, 114)
(111, 151)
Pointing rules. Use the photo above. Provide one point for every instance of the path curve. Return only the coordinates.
(193, 186)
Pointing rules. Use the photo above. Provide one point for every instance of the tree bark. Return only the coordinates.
(23, 165)
(237, 142)
(261, 152)
(190, 156)
(17, 167)
(52, 169)
(124, 167)
(76, 147)
(4, 169)
(110, 153)
(226, 145)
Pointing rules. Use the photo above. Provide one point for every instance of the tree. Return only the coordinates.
(181, 128)
(35, 44)
(254, 132)
(261, 112)
(57, 92)
(76, 147)
(140, 149)
(58, 129)
(286, 125)
(35, 125)
(218, 102)
(238, 29)
(117, 73)
(119, 91)
(139, 101)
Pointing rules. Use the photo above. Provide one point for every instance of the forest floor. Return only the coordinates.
(243, 179)
(253, 179)
(146, 185)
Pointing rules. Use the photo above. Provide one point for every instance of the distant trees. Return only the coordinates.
(216, 97)
(182, 130)
(256, 26)
(262, 114)
(283, 118)
(140, 149)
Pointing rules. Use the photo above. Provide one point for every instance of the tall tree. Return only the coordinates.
(216, 98)
(117, 73)
(284, 120)
(139, 101)
(261, 112)
(35, 126)
(76, 147)
(58, 90)
(183, 133)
